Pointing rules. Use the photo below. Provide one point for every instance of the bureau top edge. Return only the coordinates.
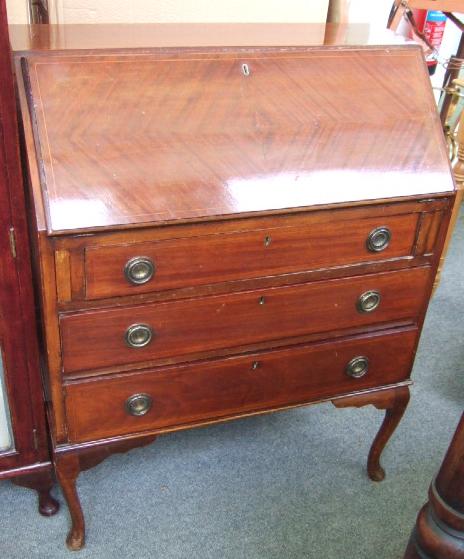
(193, 35)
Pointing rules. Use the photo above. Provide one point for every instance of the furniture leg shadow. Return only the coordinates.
(394, 401)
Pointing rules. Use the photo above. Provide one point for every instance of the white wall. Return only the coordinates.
(138, 11)
(18, 11)
(366, 11)
(124, 11)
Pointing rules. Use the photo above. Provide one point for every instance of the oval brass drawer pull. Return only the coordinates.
(139, 270)
(357, 367)
(138, 335)
(139, 404)
(378, 239)
(368, 301)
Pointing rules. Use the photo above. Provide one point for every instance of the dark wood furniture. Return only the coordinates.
(223, 231)
(439, 530)
(24, 454)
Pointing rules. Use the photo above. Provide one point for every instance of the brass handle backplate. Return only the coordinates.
(368, 301)
(139, 270)
(378, 239)
(139, 404)
(138, 335)
(357, 367)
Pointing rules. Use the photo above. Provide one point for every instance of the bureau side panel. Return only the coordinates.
(51, 345)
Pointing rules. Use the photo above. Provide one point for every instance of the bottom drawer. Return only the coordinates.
(183, 395)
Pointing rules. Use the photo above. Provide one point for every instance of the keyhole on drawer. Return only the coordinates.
(255, 365)
(262, 300)
(267, 240)
(245, 70)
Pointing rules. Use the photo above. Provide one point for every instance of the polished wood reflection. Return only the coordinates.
(142, 138)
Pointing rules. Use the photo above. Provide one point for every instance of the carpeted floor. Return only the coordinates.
(289, 485)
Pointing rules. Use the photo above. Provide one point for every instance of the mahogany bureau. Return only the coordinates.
(224, 231)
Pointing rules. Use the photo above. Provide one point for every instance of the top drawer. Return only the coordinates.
(130, 269)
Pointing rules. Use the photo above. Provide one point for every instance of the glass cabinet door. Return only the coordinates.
(6, 440)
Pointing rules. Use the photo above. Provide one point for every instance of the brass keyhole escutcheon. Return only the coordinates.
(255, 365)
(262, 300)
(267, 240)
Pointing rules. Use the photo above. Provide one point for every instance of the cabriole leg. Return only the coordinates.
(67, 471)
(394, 401)
(69, 464)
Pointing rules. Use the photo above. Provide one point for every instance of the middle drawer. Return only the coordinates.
(144, 333)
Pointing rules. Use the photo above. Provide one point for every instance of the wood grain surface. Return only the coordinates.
(209, 259)
(196, 392)
(95, 339)
(148, 138)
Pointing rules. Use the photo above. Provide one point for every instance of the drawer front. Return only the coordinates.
(96, 339)
(189, 394)
(155, 266)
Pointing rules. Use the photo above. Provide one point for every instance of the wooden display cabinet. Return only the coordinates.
(24, 453)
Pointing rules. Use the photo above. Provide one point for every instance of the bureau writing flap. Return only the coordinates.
(139, 138)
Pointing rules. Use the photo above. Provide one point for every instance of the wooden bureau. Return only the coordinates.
(222, 231)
